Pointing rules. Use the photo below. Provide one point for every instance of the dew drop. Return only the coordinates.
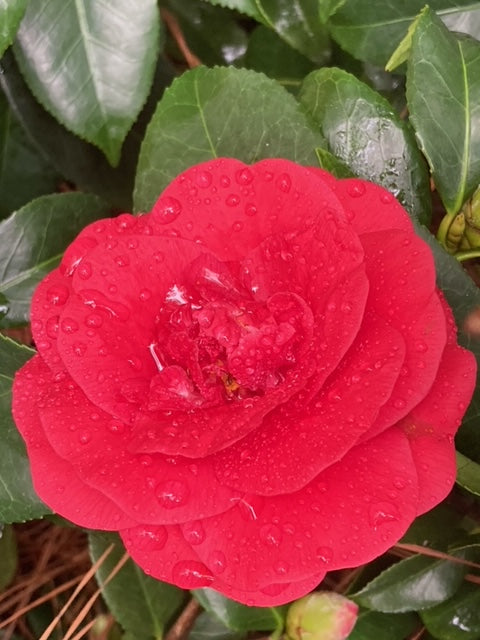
(325, 554)
(271, 535)
(193, 532)
(115, 426)
(94, 320)
(244, 176)
(84, 270)
(237, 226)
(250, 209)
(382, 512)
(421, 346)
(172, 493)
(125, 221)
(122, 261)
(225, 181)
(284, 182)
(145, 294)
(399, 403)
(151, 538)
(79, 349)
(84, 437)
(159, 256)
(217, 562)
(69, 325)
(203, 179)
(386, 198)
(281, 568)
(232, 200)
(58, 295)
(166, 210)
(51, 327)
(356, 189)
(191, 575)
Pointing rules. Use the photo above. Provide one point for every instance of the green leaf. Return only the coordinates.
(248, 7)
(239, 617)
(80, 162)
(334, 165)
(8, 556)
(468, 474)
(142, 605)
(437, 528)
(383, 626)
(212, 33)
(24, 172)
(90, 64)
(443, 94)
(208, 627)
(364, 132)
(296, 21)
(328, 7)
(371, 31)
(11, 13)
(18, 501)
(402, 52)
(457, 618)
(33, 240)
(416, 583)
(268, 53)
(209, 113)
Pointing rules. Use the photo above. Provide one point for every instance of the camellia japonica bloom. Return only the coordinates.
(254, 383)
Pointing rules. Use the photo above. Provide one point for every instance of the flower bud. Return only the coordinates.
(323, 615)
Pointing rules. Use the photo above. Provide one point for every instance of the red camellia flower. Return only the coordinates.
(254, 383)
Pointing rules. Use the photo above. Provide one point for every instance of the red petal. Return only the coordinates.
(431, 425)
(351, 513)
(166, 553)
(54, 479)
(230, 207)
(270, 461)
(150, 489)
(370, 207)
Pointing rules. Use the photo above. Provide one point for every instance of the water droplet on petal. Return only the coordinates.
(281, 568)
(217, 562)
(151, 538)
(172, 493)
(232, 200)
(244, 176)
(284, 182)
(166, 209)
(250, 209)
(145, 294)
(382, 512)
(386, 198)
(69, 325)
(84, 270)
(51, 327)
(271, 535)
(79, 348)
(421, 346)
(356, 189)
(191, 575)
(193, 532)
(203, 179)
(84, 437)
(94, 320)
(325, 554)
(237, 226)
(58, 295)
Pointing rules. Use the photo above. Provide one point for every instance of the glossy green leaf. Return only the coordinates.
(371, 31)
(437, 528)
(374, 625)
(8, 556)
(457, 618)
(142, 605)
(296, 21)
(416, 583)
(239, 617)
(78, 161)
(33, 240)
(18, 501)
(364, 132)
(328, 7)
(11, 13)
(212, 33)
(468, 474)
(209, 113)
(334, 165)
(443, 93)
(24, 172)
(91, 64)
(208, 627)
(248, 7)
(268, 53)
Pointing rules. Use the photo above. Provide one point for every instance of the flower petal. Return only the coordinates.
(55, 479)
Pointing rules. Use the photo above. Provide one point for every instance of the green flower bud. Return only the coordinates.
(471, 210)
(455, 233)
(322, 615)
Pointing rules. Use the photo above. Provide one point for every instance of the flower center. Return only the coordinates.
(216, 341)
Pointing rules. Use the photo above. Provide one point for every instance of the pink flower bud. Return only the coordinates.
(323, 615)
